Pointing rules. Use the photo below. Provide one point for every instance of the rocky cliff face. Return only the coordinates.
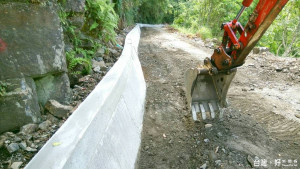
(33, 65)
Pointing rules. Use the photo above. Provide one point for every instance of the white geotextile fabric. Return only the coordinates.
(105, 130)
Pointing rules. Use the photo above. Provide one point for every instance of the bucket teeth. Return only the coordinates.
(203, 112)
(212, 112)
(206, 110)
(194, 113)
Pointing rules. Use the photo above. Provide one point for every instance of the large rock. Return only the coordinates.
(19, 105)
(33, 64)
(57, 109)
(34, 41)
(55, 87)
(74, 6)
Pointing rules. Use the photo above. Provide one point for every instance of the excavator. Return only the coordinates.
(207, 85)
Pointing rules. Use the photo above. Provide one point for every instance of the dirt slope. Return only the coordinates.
(260, 120)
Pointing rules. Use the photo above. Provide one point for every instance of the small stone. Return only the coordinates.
(250, 161)
(206, 140)
(33, 145)
(28, 137)
(100, 51)
(52, 118)
(84, 79)
(29, 149)
(208, 125)
(23, 145)
(17, 139)
(78, 87)
(146, 148)
(215, 40)
(10, 134)
(29, 128)
(218, 162)
(99, 59)
(219, 134)
(113, 51)
(297, 115)
(285, 71)
(212, 156)
(16, 165)
(96, 63)
(258, 50)
(13, 147)
(37, 141)
(57, 109)
(97, 69)
(2, 140)
(45, 125)
(203, 166)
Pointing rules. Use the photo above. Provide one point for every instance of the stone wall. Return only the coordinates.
(33, 65)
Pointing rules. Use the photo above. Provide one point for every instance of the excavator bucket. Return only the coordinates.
(206, 92)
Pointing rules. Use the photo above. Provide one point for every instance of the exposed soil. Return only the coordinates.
(260, 121)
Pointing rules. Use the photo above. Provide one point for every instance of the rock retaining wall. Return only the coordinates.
(33, 65)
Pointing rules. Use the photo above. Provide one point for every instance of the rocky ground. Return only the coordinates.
(260, 128)
(18, 147)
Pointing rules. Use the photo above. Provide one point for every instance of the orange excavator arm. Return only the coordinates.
(233, 52)
(207, 85)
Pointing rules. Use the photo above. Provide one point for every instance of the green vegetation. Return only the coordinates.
(205, 17)
(74, 62)
(283, 36)
(127, 11)
(3, 87)
(103, 18)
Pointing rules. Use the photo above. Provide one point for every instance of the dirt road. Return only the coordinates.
(260, 121)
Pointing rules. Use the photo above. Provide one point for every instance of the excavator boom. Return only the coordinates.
(207, 85)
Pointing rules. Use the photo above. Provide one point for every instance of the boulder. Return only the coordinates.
(57, 109)
(56, 87)
(77, 20)
(33, 63)
(74, 6)
(34, 41)
(19, 105)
